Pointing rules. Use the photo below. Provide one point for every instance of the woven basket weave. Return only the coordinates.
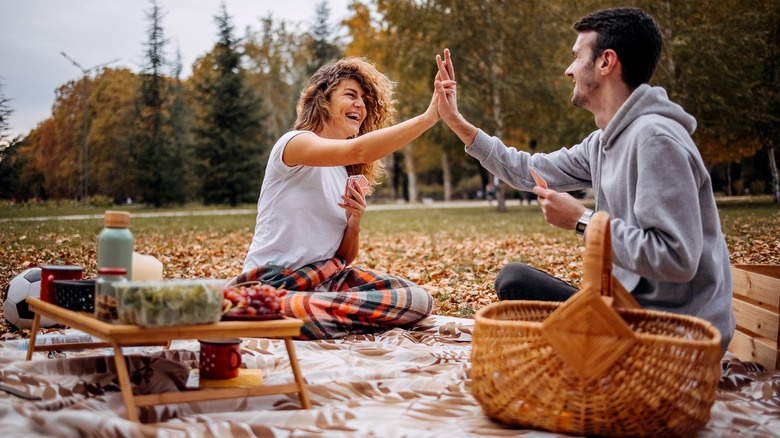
(596, 364)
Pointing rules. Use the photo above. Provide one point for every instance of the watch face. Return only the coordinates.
(582, 223)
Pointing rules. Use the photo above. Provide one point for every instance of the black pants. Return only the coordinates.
(518, 281)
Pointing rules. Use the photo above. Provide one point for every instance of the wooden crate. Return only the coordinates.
(757, 310)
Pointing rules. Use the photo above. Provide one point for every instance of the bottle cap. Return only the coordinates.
(116, 219)
(112, 271)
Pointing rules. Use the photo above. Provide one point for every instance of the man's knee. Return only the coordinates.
(513, 280)
(518, 281)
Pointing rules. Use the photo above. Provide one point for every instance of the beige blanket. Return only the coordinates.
(401, 383)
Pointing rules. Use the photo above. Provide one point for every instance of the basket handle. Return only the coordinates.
(598, 264)
(586, 331)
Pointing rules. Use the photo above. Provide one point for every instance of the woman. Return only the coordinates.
(308, 221)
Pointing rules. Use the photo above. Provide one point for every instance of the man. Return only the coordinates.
(645, 171)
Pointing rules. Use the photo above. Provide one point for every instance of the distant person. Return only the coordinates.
(308, 216)
(643, 167)
(490, 192)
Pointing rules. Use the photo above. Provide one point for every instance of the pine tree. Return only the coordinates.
(154, 159)
(8, 172)
(5, 114)
(322, 47)
(230, 126)
(180, 136)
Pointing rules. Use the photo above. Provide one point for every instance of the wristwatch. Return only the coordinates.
(583, 222)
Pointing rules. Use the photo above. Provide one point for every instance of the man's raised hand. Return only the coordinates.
(446, 88)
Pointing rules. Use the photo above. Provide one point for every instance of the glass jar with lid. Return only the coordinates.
(105, 295)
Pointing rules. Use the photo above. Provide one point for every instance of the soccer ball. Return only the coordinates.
(15, 310)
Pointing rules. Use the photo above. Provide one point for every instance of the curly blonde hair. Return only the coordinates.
(314, 103)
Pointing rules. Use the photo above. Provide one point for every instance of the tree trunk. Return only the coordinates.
(392, 176)
(671, 66)
(499, 120)
(728, 179)
(412, 177)
(446, 175)
(775, 179)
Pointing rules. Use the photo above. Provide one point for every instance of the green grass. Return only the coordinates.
(13, 230)
(761, 208)
(437, 223)
(73, 208)
(460, 223)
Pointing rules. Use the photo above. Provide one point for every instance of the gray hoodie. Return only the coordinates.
(647, 173)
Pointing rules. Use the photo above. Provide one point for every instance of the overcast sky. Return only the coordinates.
(93, 32)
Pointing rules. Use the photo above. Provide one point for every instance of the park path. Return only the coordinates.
(237, 211)
(426, 204)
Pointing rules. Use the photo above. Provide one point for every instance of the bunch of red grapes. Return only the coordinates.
(256, 299)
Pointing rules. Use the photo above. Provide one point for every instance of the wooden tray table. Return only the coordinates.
(123, 335)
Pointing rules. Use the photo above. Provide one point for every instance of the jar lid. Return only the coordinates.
(112, 271)
(116, 219)
(66, 268)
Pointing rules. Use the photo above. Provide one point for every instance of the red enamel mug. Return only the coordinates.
(49, 273)
(220, 358)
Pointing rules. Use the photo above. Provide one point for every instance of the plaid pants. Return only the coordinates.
(335, 301)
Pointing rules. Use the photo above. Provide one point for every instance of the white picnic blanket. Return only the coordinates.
(400, 383)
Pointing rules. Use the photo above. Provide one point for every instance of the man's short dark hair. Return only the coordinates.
(632, 34)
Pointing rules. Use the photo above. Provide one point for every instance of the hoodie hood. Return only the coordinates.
(646, 100)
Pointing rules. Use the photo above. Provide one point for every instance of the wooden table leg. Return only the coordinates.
(33, 335)
(124, 383)
(297, 373)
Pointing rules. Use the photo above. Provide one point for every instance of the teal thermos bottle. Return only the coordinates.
(115, 242)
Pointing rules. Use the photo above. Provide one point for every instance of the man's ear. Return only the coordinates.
(608, 61)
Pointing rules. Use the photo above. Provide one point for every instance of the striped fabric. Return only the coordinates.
(335, 301)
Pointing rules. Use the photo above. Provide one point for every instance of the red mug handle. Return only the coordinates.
(234, 354)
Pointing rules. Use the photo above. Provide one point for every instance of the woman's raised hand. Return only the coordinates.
(445, 86)
(433, 108)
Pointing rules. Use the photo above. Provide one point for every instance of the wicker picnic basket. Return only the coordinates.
(596, 364)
